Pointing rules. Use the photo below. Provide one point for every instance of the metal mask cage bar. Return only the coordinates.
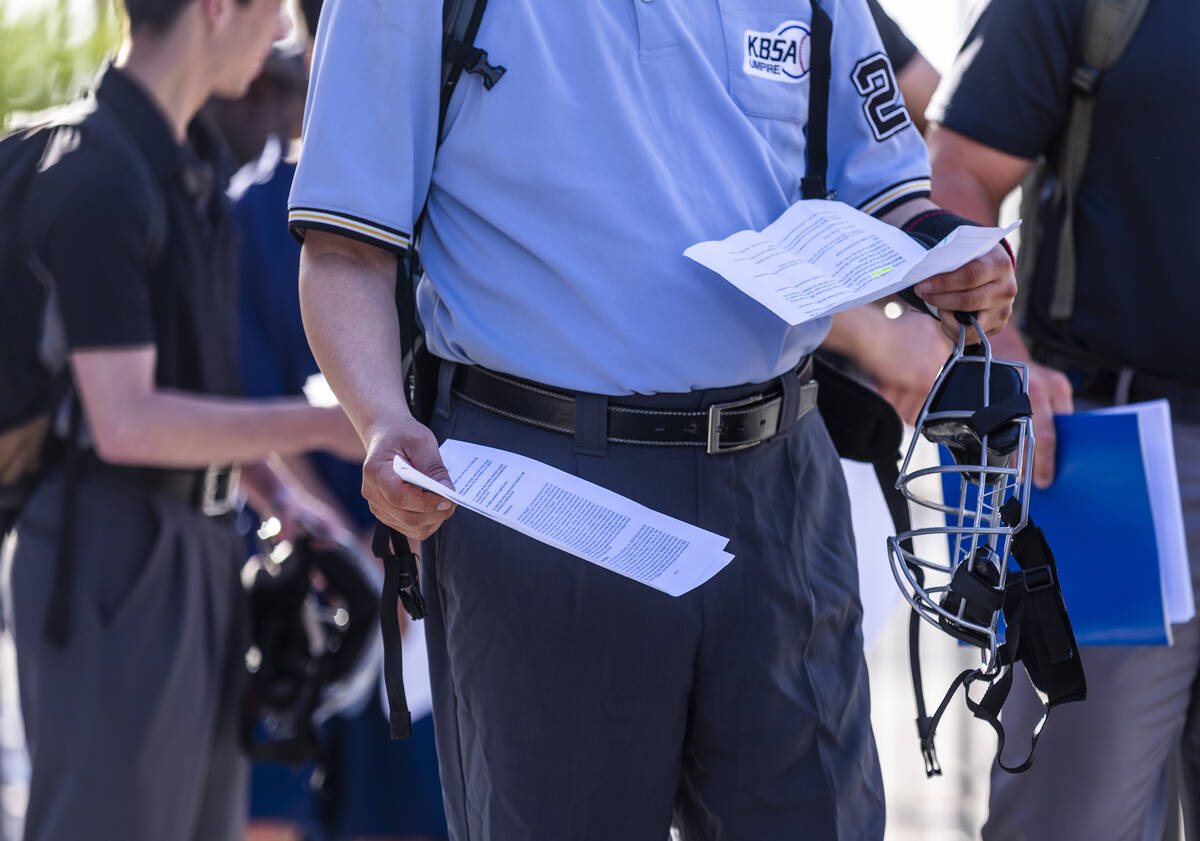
(974, 529)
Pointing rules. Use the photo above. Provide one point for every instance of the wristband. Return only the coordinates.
(936, 224)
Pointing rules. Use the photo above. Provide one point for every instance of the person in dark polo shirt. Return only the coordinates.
(130, 640)
(1126, 335)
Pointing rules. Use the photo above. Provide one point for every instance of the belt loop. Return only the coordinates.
(445, 378)
(591, 424)
(790, 383)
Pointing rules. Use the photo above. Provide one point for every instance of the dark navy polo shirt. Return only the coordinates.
(114, 289)
(1136, 294)
(900, 50)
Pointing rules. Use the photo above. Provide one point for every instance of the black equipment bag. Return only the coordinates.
(39, 419)
(33, 355)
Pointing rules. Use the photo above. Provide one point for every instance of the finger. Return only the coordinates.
(287, 525)
(407, 500)
(411, 524)
(423, 454)
(1045, 444)
(1054, 398)
(991, 267)
(980, 299)
(970, 276)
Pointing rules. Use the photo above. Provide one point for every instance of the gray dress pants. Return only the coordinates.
(1100, 761)
(572, 704)
(133, 726)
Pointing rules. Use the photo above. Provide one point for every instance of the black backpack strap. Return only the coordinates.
(58, 611)
(401, 586)
(460, 25)
(1038, 634)
(816, 147)
(887, 471)
(1108, 27)
(100, 121)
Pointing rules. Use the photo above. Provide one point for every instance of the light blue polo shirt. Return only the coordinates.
(561, 201)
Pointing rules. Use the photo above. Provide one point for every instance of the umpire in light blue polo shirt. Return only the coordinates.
(572, 703)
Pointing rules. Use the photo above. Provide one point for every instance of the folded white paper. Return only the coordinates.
(822, 257)
(576, 516)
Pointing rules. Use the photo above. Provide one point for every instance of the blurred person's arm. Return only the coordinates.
(902, 355)
(301, 470)
(917, 80)
(133, 421)
(274, 491)
(916, 77)
(347, 298)
(973, 179)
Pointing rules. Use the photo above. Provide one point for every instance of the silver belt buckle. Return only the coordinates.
(715, 411)
(220, 491)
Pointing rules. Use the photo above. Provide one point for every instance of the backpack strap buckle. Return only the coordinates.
(473, 60)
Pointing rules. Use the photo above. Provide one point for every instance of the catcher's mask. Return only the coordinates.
(315, 647)
(999, 564)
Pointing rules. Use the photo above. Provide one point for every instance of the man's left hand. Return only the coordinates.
(986, 287)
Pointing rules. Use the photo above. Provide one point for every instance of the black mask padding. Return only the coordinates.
(962, 391)
(975, 581)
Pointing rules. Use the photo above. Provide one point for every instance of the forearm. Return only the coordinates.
(176, 429)
(853, 330)
(303, 473)
(261, 483)
(349, 310)
(900, 214)
(963, 193)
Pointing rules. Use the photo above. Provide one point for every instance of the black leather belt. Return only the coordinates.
(1102, 382)
(1129, 386)
(719, 427)
(212, 491)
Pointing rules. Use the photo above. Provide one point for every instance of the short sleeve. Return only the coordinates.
(370, 121)
(900, 50)
(877, 158)
(96, 250)
(1010, 85)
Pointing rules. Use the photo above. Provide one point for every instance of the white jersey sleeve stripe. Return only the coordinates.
(895, 194)
(302, 217)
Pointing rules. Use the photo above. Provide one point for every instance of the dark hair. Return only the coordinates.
(311, 9)
(157, 15)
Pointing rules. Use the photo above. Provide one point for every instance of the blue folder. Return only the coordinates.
(1100, 526)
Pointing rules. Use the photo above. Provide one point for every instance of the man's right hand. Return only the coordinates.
(410, 510)
(1049, 395)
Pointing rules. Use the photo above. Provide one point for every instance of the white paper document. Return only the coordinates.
(577, 516)
(822, 257)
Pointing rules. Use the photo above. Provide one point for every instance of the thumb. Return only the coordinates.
(423, 454)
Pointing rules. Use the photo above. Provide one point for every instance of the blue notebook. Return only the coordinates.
(1100, 521)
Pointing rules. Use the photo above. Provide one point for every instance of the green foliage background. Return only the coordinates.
(50, 50)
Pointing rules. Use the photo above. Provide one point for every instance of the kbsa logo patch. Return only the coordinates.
(781, 55)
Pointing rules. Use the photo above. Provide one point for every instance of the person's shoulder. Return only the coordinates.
(1063, 16)
(80, 164)
(88, 186)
